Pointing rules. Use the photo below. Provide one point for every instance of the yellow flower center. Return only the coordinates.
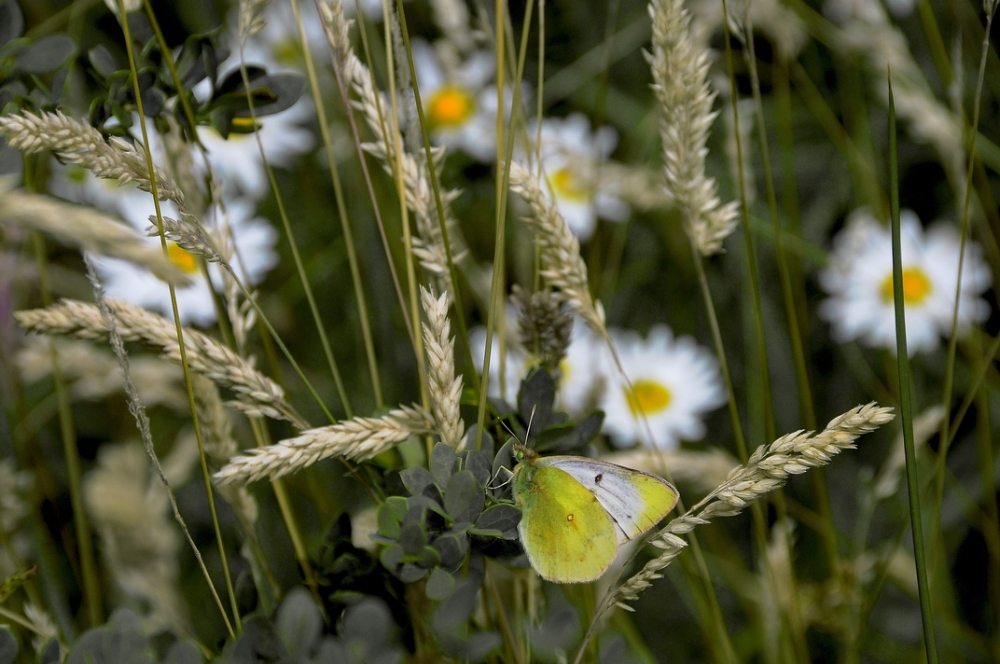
(916, 286)
(450, 106)
(241, 126)
(182, 258)
(565, 185)
(648, 397)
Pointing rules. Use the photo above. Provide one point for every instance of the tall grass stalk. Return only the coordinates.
(949, 375)
(138, 411)
(345, 221)
(206, 479)
(91, 586)
(906, 402)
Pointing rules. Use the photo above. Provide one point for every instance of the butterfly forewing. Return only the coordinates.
(636, 501)
(567, 533)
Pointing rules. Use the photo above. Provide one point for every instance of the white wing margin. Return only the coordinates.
(623, 492)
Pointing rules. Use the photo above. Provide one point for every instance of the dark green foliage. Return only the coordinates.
(32, 72)
(8, 646)
(296, 635)
(226, 109)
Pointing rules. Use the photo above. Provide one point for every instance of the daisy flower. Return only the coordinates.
(674, 383)
(460, 103)
(571, 154)
(253, 257)
(517, 362)
(582, 371)
(859, 282)
(236, 160)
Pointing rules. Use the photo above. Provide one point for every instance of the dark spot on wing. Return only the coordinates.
(600, 476)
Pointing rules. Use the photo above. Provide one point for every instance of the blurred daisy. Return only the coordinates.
(582, 371)
(253, 256)
(859, 282)
(571, 155)
(459, 101)
(674, 383)
(517, 362)
(236, 161)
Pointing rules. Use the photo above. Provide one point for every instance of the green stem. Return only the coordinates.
(206, 476)
(906, 404)
(85, 545)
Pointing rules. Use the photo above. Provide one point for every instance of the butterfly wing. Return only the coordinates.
(636, 501)
(567, 534)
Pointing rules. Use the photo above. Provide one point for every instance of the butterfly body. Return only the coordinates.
(577, 511)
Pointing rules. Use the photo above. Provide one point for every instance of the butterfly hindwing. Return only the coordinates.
(636, 501)
(567, 533)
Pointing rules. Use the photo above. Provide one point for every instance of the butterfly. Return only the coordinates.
(576, 512)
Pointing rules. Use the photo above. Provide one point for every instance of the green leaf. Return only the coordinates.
(102, 60)
(369, 621)
(464, 497)
(500, 486)
(45, 55)
(442, 464)
(440, 584)
(410, 573)
(416, 480)
(478, 462)
(50, 653)
(392, 556)
(452, 549)
(535, 399)
(564, 439)
(497, 520)
(183, 652)
(429, 557)
(18, 579)
(412, 538)
(388, 521)
(11, 21)
(8, 647)
(299, 623)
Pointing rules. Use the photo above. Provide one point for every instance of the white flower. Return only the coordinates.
(571, 155)
(236, 161)
(460, 104)
(253, 256)
(517, 362)
(859, 282)
(582, 369)
(674, 383)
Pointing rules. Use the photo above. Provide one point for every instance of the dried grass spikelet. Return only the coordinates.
(189, 234)
(767, 469)
(75, 142)
(131, 515)
(685, 112)
(925, 426)
(873, 35)
(359, 438)
(94, 374)
(250, 18)
(562, 266)
(444, 387)
(783, 27)
(220, 445)
(703, 470)
(13, 510)
(428, 245)
(642, 188)
(256, 394)
(84, 228)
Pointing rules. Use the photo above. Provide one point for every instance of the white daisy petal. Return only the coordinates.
(674, 383)
(859, 283)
